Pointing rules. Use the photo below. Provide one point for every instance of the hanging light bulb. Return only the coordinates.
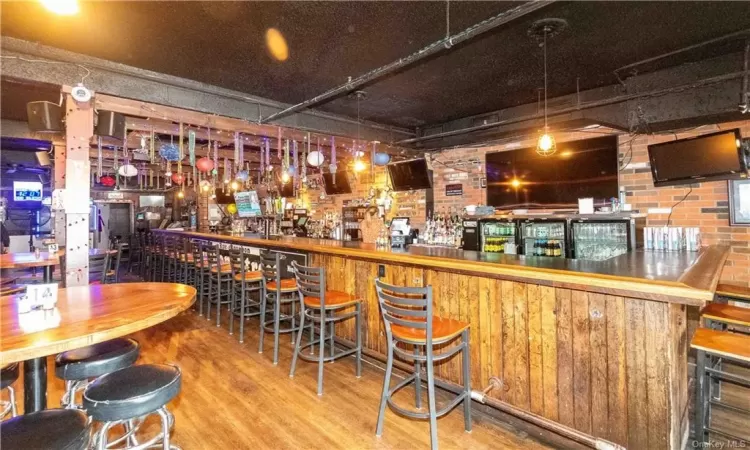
(285, 177)
(359, 165)
(234, 185)
(61, 7)
(180, 194)
(545, 146)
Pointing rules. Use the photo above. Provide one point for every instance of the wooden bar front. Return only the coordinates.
(612, 366)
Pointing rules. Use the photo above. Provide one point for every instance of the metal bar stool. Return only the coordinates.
(158, 257)
(80, 366)
(712, 345)
(126, 397)
(219, 282)
(408, 318)
(277, 292)
(67, 429)
(731, 292)
(321, 305)
(113, 274)
(244, 283)
(8, 376)
(201, 267)
(135, 261)
(98, 268)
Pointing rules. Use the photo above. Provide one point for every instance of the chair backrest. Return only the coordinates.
(117, 259)
(98, 267)
(405, 306)
(237, 262)
(213, 257)
(311, 281)
(196, 249)
(270, 267)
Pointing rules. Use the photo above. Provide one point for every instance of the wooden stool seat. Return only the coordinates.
(225, 269)
(334, 299)
(288, 284)
(12, 289)
(734, 291)
(443, 330)
(249, 276)
(729, 345)
(720, 312)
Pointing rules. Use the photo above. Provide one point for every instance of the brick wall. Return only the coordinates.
(706, 207)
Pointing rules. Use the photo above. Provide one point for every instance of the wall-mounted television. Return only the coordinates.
(715, 156)
(410, 175)
(341, 186)
(523, 179)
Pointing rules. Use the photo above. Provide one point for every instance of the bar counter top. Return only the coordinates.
(681, 277)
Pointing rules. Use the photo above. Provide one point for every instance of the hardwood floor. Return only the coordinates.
(234, 398)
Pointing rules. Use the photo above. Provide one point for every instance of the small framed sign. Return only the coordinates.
(452, 190)
(739, 203)
(483, 182)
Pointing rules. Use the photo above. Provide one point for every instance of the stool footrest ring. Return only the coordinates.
(316, 358)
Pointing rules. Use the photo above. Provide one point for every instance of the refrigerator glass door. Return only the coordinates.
(495, 234)
(544, 239)
(598, 241)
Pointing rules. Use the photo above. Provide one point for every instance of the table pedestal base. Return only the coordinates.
(34, 385)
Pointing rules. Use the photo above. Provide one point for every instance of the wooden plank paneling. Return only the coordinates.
(565, 357)
(636, 373)
(496, 331)
(549, 351)
(598, 341)
(520, 318)
(617, 422)
(581, 361)
(536, 372)
(657, 374)
(471, 315)
(508, 344)
(678, 373)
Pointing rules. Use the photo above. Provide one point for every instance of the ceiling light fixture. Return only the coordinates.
(541, 30)
(61, 7)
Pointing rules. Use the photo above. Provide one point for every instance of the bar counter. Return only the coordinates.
(600, 347)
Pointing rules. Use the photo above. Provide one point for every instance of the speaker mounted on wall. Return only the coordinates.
(110, 124)
(44, 117)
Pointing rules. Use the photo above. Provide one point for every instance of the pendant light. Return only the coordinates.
(546, 145)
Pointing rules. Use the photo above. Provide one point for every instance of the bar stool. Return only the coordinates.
(712, 345)
(8, 376)
(201, 268)
(135, 260)
(320, 305)
(158, 257)
(408, 318)
(77, 367)
(244, 283)
(149, 257)
(51, 429)
(277, 292)
(219, 282)
(127, 396)
(730, 292)
(113, 274)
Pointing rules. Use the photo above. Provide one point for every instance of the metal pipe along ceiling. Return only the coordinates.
(582, 106)
(436, 47)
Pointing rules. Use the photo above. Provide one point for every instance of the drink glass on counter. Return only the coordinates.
(671, 239)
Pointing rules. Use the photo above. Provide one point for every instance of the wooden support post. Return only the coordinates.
(79, 128)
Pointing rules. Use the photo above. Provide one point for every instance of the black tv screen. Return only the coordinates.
(341, 186)
(579, 169)
(715, 156)
(224, 197)
(410, 175)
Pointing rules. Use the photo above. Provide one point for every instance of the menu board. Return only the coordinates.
(248, 204)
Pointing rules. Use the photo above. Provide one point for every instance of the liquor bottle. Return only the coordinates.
(547, 249)
(536, 248)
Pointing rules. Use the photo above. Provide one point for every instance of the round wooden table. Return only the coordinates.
(47, 260)
(84, 315)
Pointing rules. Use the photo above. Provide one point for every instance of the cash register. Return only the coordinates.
(300, 226)
(400, 232)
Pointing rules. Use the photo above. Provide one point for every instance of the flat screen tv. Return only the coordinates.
(715, 156)
(523, 179)
(341, 186)
(224, 197)
(410, 175)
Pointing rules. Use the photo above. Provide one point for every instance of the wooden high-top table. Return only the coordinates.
(46, 260)
(84, 315)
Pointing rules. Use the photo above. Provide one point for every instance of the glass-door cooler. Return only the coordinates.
(496, 233)
(544, 237)
(602, 239)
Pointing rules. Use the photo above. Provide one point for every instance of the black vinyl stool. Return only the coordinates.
(51, 429)
(324, 306)
(407, 315)
(8, 376)
(127, 396)
(79, 366)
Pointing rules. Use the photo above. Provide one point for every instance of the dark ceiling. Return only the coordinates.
(223, 44)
